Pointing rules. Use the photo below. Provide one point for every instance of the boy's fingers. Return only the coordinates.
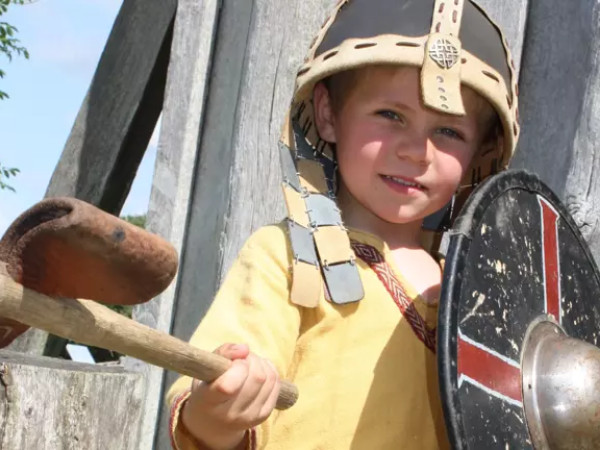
(271, 400)
(231, 382)
(233, 351)
(252, 384)
(267, 398)
(259, 384)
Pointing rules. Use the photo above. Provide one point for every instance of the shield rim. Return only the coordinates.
(460, 237)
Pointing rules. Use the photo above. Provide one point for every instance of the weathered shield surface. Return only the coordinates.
(515, 254)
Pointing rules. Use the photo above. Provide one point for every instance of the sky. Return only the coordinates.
(65, 39)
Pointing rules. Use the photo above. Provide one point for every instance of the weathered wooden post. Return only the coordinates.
(560, 88)
(171, 202)
(49, 403)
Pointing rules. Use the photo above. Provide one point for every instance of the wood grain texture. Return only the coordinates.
(67, 406)
(117, 117)
(556, 75)
(182, 117)
(559, 107)
(582, 191)
(511, 17)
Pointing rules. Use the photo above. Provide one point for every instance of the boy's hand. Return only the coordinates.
(219, 413)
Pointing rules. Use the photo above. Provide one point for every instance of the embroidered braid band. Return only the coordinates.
(384, 272)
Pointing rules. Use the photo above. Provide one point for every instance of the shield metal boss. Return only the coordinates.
(515, 256)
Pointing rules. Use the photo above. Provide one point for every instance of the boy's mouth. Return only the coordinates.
(403, 182)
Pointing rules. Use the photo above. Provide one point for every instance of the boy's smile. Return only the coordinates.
(398, 161)
(401, 184)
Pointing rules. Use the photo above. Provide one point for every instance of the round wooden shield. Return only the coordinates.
(515, 255)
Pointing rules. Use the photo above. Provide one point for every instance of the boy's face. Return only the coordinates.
(397, 159)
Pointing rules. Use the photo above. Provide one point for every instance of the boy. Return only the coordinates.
(393, 120)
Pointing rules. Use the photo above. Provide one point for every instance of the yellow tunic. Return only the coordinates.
(366, 381)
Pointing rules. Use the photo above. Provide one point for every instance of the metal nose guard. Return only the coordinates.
(441, 70)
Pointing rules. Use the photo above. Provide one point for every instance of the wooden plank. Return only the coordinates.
(117, 117)
(557, 73)
(48, 404)
(32, 342)
(582, 190)
(10, 357)
(511, 17)
(183, 112)
(560, 91)
(115, 122)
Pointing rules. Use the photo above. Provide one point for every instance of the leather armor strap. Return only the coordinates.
(440, 75)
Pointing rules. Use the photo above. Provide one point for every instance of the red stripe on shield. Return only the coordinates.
(487, 369)
(551, 264)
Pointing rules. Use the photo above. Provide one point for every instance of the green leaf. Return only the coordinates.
(6, 186)
(9, 44)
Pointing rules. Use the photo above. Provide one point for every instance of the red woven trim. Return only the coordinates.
(252, 445)
(175, 408)
(384, 272)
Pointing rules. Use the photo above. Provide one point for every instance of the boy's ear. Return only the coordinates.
(324, 115)
(494, 144)
(500, 141)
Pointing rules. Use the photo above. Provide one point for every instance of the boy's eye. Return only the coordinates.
(391, 115)
(451, 133)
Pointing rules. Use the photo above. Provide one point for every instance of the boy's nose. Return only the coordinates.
(416, 148)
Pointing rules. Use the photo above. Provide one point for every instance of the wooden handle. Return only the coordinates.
(90, 323)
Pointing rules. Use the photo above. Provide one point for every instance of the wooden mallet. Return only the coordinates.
(64, 249)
